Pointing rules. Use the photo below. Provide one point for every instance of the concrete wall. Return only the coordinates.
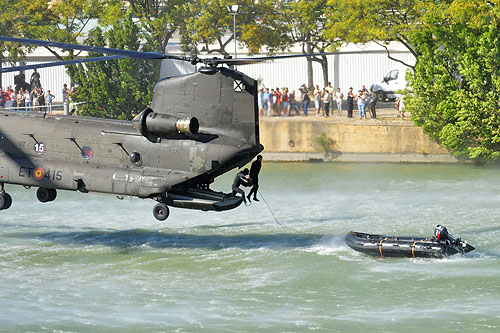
(295, 139)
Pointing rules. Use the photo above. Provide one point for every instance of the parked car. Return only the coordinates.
(393, 82)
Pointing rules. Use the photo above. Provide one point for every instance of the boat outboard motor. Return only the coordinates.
(441, 234)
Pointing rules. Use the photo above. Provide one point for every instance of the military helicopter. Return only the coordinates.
(198, 127)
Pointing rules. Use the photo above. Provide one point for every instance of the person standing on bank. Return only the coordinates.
(339, 97)
(49, 98)
(350, 103)
(361, 104)
(317, 99)
(326, 102)
(254, 177)
(305, 102)
(373, 103)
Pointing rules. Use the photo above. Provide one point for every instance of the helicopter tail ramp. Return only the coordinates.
(225, 103)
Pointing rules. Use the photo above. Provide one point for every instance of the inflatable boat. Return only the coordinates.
(439, 246)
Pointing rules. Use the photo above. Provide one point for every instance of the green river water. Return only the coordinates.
(92, 263)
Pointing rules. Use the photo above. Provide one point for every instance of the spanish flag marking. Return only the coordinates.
(38, 173)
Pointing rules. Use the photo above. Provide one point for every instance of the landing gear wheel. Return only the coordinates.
(8, 201)
(43, 194)
(52, 194)
(161, 211)
(5, 201)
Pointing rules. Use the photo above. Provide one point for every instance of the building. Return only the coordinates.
(352, 66)
(52, 78)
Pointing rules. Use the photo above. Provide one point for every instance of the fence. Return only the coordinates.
(60, 108)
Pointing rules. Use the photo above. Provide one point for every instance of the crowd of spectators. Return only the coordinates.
(272, 102)
(25, 100)
(283, 102)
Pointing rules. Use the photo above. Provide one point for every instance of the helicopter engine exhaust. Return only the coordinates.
(150, 123)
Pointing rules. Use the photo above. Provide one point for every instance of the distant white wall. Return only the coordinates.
(52, 78)
(352, 67)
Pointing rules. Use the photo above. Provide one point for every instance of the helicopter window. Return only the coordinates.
(40, 148)
(87, 152)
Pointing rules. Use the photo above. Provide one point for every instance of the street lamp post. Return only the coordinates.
(233, 9)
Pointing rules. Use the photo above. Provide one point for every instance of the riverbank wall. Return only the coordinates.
(341, 139)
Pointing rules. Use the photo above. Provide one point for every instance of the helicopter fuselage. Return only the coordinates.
(74, 153)
(159, 155)
(167, 155)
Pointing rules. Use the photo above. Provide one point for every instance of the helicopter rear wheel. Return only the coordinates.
(52, 194)
(161, 211)
(43, 194)
(5, 201)
(46, 194)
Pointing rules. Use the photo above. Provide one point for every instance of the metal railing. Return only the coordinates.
(59, 108)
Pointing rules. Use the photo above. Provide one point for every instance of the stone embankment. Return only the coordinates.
(385, 139)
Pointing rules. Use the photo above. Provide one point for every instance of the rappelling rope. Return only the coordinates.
(280, 224)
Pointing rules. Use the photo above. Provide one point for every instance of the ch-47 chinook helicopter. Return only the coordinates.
(199, 126)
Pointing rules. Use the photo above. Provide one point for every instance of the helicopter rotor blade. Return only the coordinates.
(248, 61)
(94, 49)
(57, 63)
(211, 62)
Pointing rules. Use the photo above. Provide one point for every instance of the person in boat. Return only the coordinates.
(241, 179)
(254, 177)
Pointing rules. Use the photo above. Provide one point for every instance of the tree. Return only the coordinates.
(118, 88)
(456, 88)
(61, 21)
(379, 21)
(160, 19)
(307, 20)
(12, 15)
(211, 25)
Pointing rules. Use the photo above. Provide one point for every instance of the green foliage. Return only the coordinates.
(160, 19)
(455, 84)
(12, 14)
(119, 88)
(456, 87)
(306, 21)
(62, 21)
(208, 22)
(379, 21)
(325, 143)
